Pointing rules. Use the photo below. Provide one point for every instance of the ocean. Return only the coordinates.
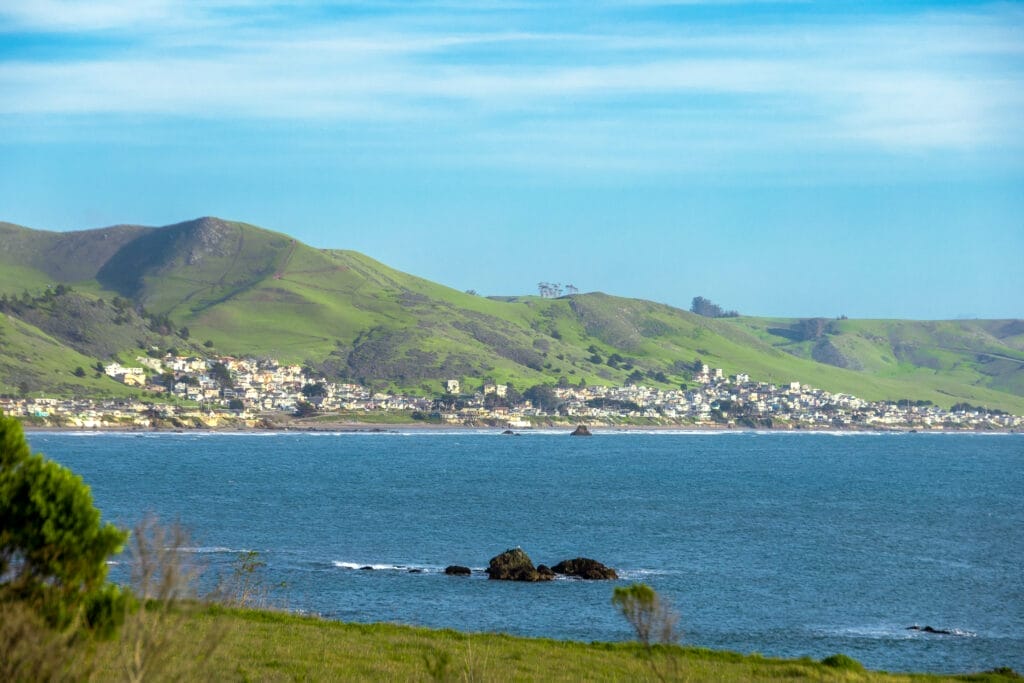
(786, 544)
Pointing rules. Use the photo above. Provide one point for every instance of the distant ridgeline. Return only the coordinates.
(210, 287)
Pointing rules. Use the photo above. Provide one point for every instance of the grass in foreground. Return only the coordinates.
(254, 645)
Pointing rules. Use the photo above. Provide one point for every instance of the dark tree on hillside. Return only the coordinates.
(311, 390)
(305, 409)
(448, 401)
(709, 309)
(220, 374)
(549, 290)
(543, 397)
(492, 401)
(658, 376)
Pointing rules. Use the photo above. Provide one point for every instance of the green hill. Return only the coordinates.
(33, 362)
(250, 291)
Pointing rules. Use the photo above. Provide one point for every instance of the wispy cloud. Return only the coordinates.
(929, 81)
(75, 16)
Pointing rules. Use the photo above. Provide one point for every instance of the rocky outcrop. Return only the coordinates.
(581, 430)
(457, 570)
(515, 565)
(585, 568)
(929, 629)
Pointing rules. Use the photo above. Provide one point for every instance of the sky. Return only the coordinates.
(780, 158)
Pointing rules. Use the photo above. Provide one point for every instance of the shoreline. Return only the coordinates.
(350, 427)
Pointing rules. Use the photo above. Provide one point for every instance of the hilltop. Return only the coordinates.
(72, 299)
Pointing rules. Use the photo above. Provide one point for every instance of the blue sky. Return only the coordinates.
(780, 158)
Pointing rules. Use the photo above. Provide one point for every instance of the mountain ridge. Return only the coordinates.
(250, 291)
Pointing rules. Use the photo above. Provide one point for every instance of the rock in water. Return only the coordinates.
(585, 568)
(514, 565)
(929, 629)
(581, 430)
(457, 570)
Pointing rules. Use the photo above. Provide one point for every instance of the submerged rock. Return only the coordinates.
(515, 565)
(581, 430)
(929, 629)
(457, 570)
(585, 568)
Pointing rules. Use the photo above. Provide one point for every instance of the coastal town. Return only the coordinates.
(232, 393)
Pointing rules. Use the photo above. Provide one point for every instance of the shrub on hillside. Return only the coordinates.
(843, 662)
(53, 546)
(652, 618)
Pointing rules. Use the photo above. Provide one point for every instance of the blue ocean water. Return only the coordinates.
(785, 544)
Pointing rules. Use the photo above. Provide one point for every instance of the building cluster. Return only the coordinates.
(731, 402)
(226, 391)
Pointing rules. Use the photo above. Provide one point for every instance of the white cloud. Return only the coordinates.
(935, 81)
(79, 15)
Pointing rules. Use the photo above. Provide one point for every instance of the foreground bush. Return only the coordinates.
(53, 546)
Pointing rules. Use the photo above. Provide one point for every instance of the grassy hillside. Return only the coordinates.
(272, 646)
(252, 291)
(34, 363)
(941, 358)
(58, 256)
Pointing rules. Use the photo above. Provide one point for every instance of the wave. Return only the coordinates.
(634, 574)
(388, 567)
(213, 549)
(893, 632)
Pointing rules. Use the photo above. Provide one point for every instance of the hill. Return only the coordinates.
(245, 644)
(31, 359)
(247, 291)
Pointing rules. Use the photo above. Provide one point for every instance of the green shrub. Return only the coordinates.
(653, 619)
(53, 546)
(105, 609)
(841, 661)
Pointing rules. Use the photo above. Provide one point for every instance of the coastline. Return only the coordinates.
(357, 427)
